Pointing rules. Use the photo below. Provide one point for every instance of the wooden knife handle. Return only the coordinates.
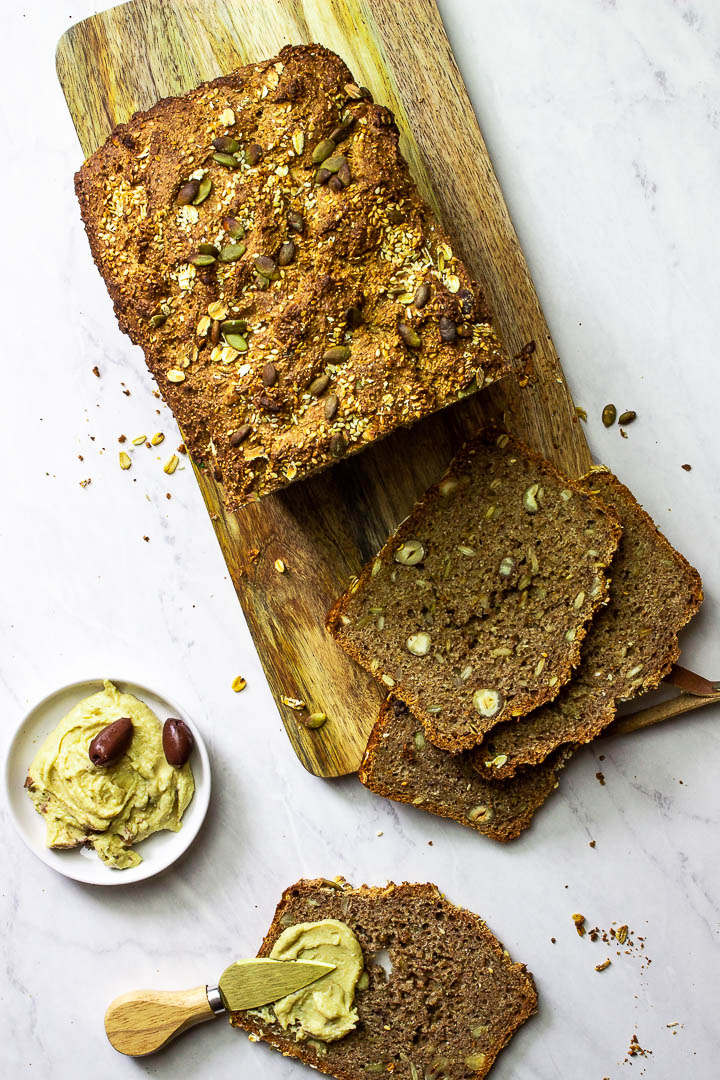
(143, 1021)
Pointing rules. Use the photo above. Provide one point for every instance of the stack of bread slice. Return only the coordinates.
(509, 615)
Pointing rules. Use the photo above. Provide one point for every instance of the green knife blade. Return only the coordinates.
(248, 984)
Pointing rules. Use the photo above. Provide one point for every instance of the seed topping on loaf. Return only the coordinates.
(264, 243)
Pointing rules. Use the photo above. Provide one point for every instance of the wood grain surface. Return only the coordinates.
(325, 528)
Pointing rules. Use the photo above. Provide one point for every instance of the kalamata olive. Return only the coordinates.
(178, 742)
(111, 743)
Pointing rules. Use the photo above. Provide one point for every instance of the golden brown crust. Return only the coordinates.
(362, 252)
(324, 892)
(662, 594)
(523, 701)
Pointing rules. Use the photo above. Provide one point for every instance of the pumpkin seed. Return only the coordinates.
(410, 553)
(448, 330)
(269, 375)
(227, 160)
(319, 386)
(488, 702)
(233, 227)
(203, 191)
(338, 354)
(529, 499)
(609, 414)
(158, 320)
(627, 417)
(232, 252)
(315, 720)
(322, 176)
(334, 163)
(296, 221)
(419, 644)
(338, 446)
(226, 144)
(236, 341)
(335, 183)
(265, 265)
(408, 335)
(353, 318)
(331, 407)
(200, 259)
(253, 153)
(323, 150)
(187, 193)
(240, 435)
(344, 175)
(286, 254)
(422, 295)
(343, 129)
(233, 326)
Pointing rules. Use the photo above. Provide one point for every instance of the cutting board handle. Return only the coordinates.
(143, 1021)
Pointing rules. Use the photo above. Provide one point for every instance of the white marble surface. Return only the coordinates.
(603, 119)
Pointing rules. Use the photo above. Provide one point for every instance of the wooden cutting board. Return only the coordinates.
(325, 528)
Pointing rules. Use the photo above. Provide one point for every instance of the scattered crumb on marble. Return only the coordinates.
(600, 777)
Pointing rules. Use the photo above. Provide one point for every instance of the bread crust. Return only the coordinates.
(500, 811)
(331, 896)
(523, 701)
(346, 281)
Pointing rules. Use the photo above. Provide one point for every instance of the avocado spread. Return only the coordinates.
(113, 807)
(324, 1010)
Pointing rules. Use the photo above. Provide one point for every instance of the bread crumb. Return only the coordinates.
(687, 468)
(379, 833)
(600, 777)
(604, 966)
(579, 921)
(96, 371)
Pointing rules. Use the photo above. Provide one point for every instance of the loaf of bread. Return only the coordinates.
(264, 244)
(401, 764)
(474, 610)
(451, 1001)
(631, 644)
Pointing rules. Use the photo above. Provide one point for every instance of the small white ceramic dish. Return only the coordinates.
(159, 850)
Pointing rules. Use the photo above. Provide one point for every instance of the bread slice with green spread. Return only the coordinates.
(474, 610)
(442, 1005)
(630, 647)
(400, 764)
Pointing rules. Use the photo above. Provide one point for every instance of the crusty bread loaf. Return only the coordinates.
(263, 242)
(631, 644)
(452, 1000)
(400, 764)
(474, 610)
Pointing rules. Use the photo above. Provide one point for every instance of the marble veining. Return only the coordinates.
(602, 120)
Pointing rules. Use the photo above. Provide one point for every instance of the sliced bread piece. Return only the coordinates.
(401, 764)
(452, 999)
(474, 610)
(631, 644)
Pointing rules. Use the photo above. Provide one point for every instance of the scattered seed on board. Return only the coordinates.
(171, 464)
(280, 566)
(609, 415)
(627, 417)
(238, 684)
(125, 460)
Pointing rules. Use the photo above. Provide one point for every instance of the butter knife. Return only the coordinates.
(144, 1021)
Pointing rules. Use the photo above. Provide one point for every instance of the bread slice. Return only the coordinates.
(276, 199)
(474, 610)
(631, 644)
(452, 1000)
(400, 764)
